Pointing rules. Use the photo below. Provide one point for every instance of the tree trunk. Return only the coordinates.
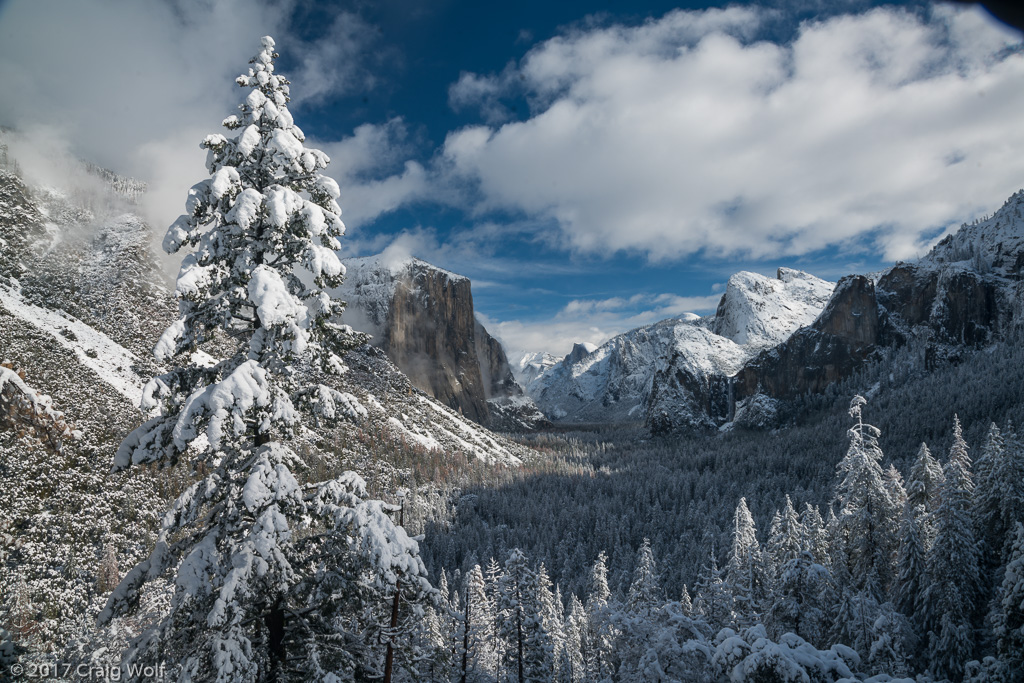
(274, 622)
(465, 637)
(389, 659)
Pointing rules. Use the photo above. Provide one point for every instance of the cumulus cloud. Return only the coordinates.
(688, 134)
(484, 93)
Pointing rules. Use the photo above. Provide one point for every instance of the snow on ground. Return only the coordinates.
(415, 434)
(93, 349)
(479, 443)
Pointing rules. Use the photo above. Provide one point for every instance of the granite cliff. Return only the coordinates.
(964, 294)
(422, 317)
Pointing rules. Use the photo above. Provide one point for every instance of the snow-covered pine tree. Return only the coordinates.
(712, 600)
(557, 613)
(746, 576)
(998, 497)
(815, 537)
(513, 604)
(551, 615)
(492, 585)
(480, 661)
(645, 595)
(786, 540)
(577, 645)
(949, 600)
(923, 488)
(911, 564)
(538, 650)
(868, 514)
(894, 484)
(1009, 626)
(273, 579)
(599, 626)
(1011, 486)
(801, 599)
(989, 470)
(685, 602)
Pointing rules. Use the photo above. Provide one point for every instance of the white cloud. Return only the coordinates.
(137, 86)
(333, 63)
(473, 91)
(593, 320)
(683, 135)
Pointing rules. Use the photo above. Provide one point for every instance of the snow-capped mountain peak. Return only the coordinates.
(759, 311)
(675, 361)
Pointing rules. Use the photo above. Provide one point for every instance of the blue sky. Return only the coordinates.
(591, 166)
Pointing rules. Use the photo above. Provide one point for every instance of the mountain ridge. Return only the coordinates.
(955, 298)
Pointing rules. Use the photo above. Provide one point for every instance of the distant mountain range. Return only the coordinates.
(86, 261)
(774, 339)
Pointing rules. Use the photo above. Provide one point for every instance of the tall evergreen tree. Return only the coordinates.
(949, 600)
(999, 497)
(549, 607)
(685, 602)
(746, 575)
(480, 662)
(912, 577)
(867, 514)
(538, 647)
(599, 629)
(989, 470)
(815, 536)
(513, 587)
(645, 593)
(274, 580)
(713, 601)
(786, 541)
(492, 586)
(1009, 627)
(923, 487)
(800, 601)
(577, 645)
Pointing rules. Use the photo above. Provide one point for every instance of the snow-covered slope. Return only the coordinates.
(111, 362)
(86, 281)
(991, 245)
(758, 312)
(672, 365)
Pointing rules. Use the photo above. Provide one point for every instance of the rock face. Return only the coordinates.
(962, 294)
(845, 333)
(422, 317)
